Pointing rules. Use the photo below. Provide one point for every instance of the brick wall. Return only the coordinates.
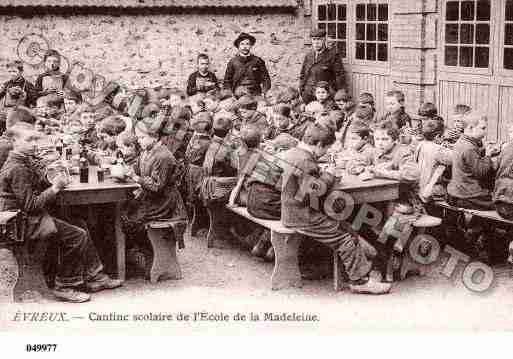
(161, 49)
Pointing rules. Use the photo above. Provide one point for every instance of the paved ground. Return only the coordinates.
(228, 280)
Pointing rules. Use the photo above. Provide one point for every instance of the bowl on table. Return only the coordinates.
(119, 173)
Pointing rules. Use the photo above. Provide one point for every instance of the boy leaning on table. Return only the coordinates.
(297, 212)
(23, 186)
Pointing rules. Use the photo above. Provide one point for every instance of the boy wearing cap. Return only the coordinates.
(203, 80)
(320, 64)
(16, 80)
(245, 69)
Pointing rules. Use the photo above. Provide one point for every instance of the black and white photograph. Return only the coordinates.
(244, 167)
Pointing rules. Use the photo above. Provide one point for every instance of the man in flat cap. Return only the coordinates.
(246, 70)
(320, 64)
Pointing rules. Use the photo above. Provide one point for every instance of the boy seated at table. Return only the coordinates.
(323, 99)
(247, 110)
(454, 132)
(362, 114)
(503, 190)
(156, 172)
(23, 183)
(359, 151)
(128, 148)
(428, 155)
(472, 166)
(366, 99)
(395, 111)
(304, 215)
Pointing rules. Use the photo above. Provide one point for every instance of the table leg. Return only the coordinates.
(120, 243)
(286, 267)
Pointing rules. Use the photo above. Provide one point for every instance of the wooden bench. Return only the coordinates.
(286, 246)
(163, 236)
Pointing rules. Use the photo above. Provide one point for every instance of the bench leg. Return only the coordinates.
(286, 267)
(164, 264)
(9, 274)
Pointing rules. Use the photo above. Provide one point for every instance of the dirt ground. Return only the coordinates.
(227, 280)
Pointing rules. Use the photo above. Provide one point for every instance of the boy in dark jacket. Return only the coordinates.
(23, 186)
(15, 70)
(203, 80)
(394, 104)
(52, 81)
(472, 166)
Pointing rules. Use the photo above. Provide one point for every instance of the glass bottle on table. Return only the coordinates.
(84, 170)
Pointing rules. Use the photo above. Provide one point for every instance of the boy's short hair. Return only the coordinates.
(289, 94)
(389, 128)
(360, 128)
(431, 128)
(282, 109)
(366, 98)
(364, 113)
(461, 109)
(20, 114)
(51, 53)
(128, 139)
(317, 133)
(399, 95)
(325, 119)
(224, 94)
(202, 56)
(112, 125)
(343, 95)
(17, 64)
(241, 91)
(323, 85)
(428, 109)
(250, 135)
(247, 102)
(202, 122)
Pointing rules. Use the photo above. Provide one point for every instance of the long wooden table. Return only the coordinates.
(107, 192)
(371, 191)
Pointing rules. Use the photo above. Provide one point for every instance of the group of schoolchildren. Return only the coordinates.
(189, 149)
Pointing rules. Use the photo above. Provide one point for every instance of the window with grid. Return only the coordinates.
(333, 19)
(508, 36)
(371, 36)
(467, 34)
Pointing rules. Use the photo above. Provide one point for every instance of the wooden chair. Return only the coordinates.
(163, 236)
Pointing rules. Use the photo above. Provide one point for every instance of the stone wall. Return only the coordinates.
(151, 50)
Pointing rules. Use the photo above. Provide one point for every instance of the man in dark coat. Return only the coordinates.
(320, 64)
(247, 70)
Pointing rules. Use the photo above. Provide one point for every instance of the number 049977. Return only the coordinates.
(40, 347)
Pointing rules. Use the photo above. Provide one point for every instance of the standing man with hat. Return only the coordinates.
(320, 64)
(247, 70)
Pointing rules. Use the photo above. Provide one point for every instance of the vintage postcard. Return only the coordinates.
(255, 167)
